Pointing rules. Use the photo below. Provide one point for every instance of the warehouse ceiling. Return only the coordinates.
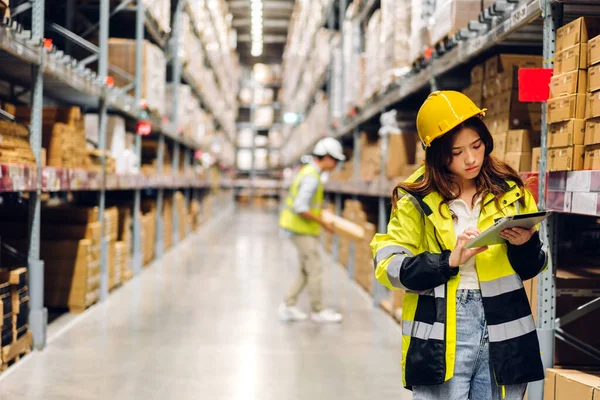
(276, 20)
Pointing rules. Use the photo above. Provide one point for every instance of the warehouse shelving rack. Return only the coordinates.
(258, 181)
(30, 60)
(530, 24)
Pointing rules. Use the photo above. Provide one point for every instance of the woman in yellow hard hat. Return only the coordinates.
(467, 329)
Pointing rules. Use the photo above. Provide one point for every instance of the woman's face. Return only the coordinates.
(468, 153)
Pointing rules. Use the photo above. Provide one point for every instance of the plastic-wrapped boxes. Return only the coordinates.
(373, 63)
(450, 16)
(352, 57)
(394, 38)
(121, 53)
(160, 10)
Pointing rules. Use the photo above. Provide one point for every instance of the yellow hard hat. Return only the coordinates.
(443, 111)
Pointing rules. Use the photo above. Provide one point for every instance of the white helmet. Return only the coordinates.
(329, 146)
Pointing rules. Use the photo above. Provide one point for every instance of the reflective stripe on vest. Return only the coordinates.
(500, 286)
(511, 330)
(422, 330)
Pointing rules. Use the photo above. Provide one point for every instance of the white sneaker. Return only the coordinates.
(291, 313)
(326, 316)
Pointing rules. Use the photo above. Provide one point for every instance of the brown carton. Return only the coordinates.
(593, 51)
(568, 133)
(592, 131)
(400, 153)
(591, 159)
(536, 155)
(477, 74)
(566, 158)
(593, 105)
(520, 141)
(578, 31)
(594, 78)
(550, 381)
(566, 107)
(571, 59)
(580, 386)
(500, 140)
(573, 82)
(520, 162)
(508, 62)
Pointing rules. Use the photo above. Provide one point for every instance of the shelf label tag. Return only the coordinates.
(144, 128)
(518, 16)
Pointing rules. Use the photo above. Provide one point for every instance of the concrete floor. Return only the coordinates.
(202, 324)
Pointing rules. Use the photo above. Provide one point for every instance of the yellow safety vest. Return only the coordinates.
(417, 228)
(293, 222)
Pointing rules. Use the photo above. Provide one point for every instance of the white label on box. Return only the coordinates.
(579, 181)
(585, 203)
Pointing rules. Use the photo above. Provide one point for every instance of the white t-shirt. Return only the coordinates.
(466, 218)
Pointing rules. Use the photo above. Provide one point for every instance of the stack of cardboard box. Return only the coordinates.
(182, 215)
(592, 125)
(450, 16)
(121, 54)
(6, 313)
(403, 154)
(14, 146)
(124, 243)
(195, 214)
(111, 227)
(373, 65)
(19, 294)
(566, 106)
(515, 126)
(63, 136)
(394, 39)
(167, 220)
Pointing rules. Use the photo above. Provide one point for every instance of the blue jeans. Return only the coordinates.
(473, 376)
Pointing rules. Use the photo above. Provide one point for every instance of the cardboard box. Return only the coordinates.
(520, 162)
(591, 159)
(508, 62)
(594, 78)
(577, 386)
(536, 155)
(593, 51)
(500, 141)
(566, 158)
(573, 82)
(566, 107)
(592, 131)
(400, 152)
(578, 31)
(568, 133)
(571, 59)
(477, 74)
(552, 375)
(521, 141)
(593, 105)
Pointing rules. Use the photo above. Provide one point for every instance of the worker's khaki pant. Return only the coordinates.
(311, 272)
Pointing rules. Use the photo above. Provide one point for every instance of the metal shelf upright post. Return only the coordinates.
(137, 222)
(102, 121)
(380, 291)
(552, 14)
(176, 82)
(38, 315)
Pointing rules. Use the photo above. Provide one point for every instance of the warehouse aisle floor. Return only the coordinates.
(202, 325)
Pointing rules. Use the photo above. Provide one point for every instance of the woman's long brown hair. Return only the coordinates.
(491, 179)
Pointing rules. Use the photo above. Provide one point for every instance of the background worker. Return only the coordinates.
(301, 221)
(467, 328)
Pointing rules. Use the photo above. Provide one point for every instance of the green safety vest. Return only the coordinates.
(293, 222)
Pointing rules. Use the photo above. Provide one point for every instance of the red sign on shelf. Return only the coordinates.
(534, 84)
(48, 44)
(110, 81)
(144, 128)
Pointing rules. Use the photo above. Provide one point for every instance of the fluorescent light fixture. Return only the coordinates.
(256, 31)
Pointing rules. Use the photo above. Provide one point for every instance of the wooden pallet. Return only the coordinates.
(13, 353)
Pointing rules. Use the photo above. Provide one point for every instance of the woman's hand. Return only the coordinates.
(517, 236)
(460, 255)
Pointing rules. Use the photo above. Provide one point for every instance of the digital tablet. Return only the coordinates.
(492, 235)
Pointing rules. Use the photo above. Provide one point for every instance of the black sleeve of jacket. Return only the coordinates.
(528, 259)
(426, 271)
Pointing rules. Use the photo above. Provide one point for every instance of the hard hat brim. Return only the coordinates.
(480, 112)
